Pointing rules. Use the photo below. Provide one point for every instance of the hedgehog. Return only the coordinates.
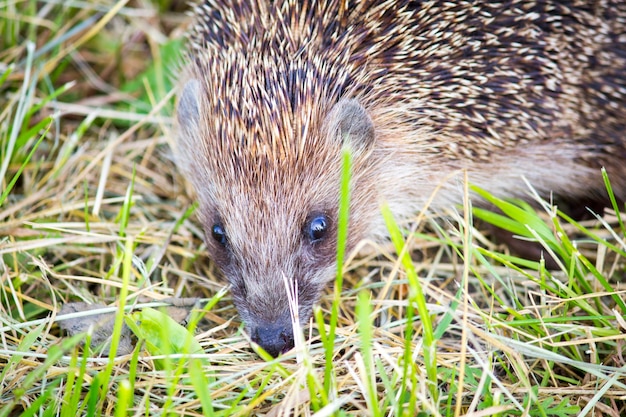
(422, 93)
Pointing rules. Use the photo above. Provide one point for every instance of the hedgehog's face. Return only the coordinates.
(265, 262)
(270, 219)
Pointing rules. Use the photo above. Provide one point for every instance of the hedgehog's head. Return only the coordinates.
(268, 183)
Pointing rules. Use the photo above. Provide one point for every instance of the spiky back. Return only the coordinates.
(488, 76)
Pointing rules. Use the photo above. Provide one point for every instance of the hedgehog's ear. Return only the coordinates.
(188, 110)
(350, 120)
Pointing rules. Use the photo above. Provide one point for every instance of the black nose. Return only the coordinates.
(274, 338)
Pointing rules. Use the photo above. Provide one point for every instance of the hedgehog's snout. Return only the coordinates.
(275, 338)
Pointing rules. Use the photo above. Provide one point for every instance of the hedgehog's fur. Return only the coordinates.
(422, 91)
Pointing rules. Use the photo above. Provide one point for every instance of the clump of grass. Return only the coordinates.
(439, 322)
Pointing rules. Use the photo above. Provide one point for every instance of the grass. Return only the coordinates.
(439, 322)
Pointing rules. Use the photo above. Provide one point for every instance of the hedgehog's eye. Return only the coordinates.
(219, 234)
(317, 228)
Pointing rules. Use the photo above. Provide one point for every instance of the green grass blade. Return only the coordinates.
(201, 386)
(416, 296)
(342, 236)
(11, 183)
(363, 312)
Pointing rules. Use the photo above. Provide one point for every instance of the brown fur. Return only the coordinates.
(421, 91)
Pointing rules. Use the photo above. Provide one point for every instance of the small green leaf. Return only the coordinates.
(162, 334)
